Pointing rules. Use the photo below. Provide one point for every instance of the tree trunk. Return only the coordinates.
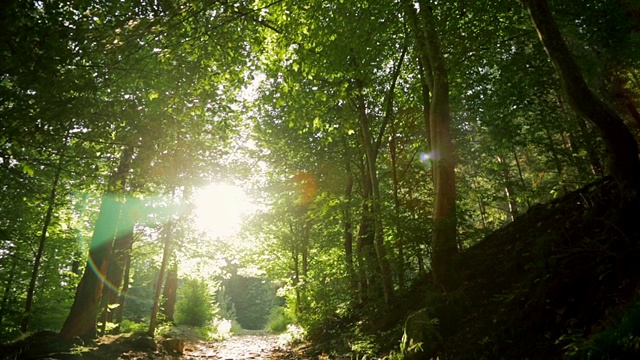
(170, 293)
(520, 176)
(347, 225)
(83, 316)
(123, 293)
(166, 254)
(444, 245)
(295, 254)
(623, 149)
(43, 239)
(424, 65)
(396, 207)
(365, 252)
(306, 233)
(120, 255)
(508, 189)
(370, 156)
(82, 319)
(115, 272)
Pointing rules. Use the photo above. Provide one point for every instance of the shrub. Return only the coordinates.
(278, 320)
(194, 305)
(128, 326)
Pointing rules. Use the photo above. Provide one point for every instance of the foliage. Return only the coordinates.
(620, 340)
(252, 300)
(294, 334)
(137, 328)
(194, 306)
(279, 320)
(276, 93)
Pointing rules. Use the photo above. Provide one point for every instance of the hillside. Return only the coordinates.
(559, 282)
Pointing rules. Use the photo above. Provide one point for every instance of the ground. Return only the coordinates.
(247, 345)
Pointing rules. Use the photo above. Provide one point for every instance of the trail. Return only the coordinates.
(257, 345)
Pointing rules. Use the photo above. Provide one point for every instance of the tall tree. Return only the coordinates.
(444, 245)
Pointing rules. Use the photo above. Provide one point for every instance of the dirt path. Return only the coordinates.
(243, 346)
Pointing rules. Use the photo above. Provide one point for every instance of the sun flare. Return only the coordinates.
(219, 209)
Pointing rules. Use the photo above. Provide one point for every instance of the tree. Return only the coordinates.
(444, 244)
(82, 319)
(622, 147)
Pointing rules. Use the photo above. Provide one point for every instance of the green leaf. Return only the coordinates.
(26, 168)
(153, 95)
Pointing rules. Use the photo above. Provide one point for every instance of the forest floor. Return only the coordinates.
(246, 345)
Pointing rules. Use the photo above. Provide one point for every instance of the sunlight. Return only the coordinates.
(219, 210)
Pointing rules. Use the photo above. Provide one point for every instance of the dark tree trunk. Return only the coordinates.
(365, 253)
(115, 272)
(170, 294)
(82, 319)
(444, 245)
(623, 149)
(120, 255)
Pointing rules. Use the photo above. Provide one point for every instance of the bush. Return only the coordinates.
(194, 306)
(128, 326)
(278, 320)
(294, 334)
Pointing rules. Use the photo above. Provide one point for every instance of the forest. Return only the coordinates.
(403, 179)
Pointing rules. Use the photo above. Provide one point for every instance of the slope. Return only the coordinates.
(559, 282)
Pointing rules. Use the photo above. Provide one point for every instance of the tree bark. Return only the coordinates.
(167, 233)
(508, 188)
(365, 252)
(119, 258)
(347, 225)
(82, 319)
(444, 245)
(170, 293)
(166, 254)
(396, 207)
(370, 156)
(622, 147)
(115, 273)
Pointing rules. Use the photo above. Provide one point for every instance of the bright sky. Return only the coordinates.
(219, 209)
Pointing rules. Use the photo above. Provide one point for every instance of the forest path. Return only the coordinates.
(249, 345)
